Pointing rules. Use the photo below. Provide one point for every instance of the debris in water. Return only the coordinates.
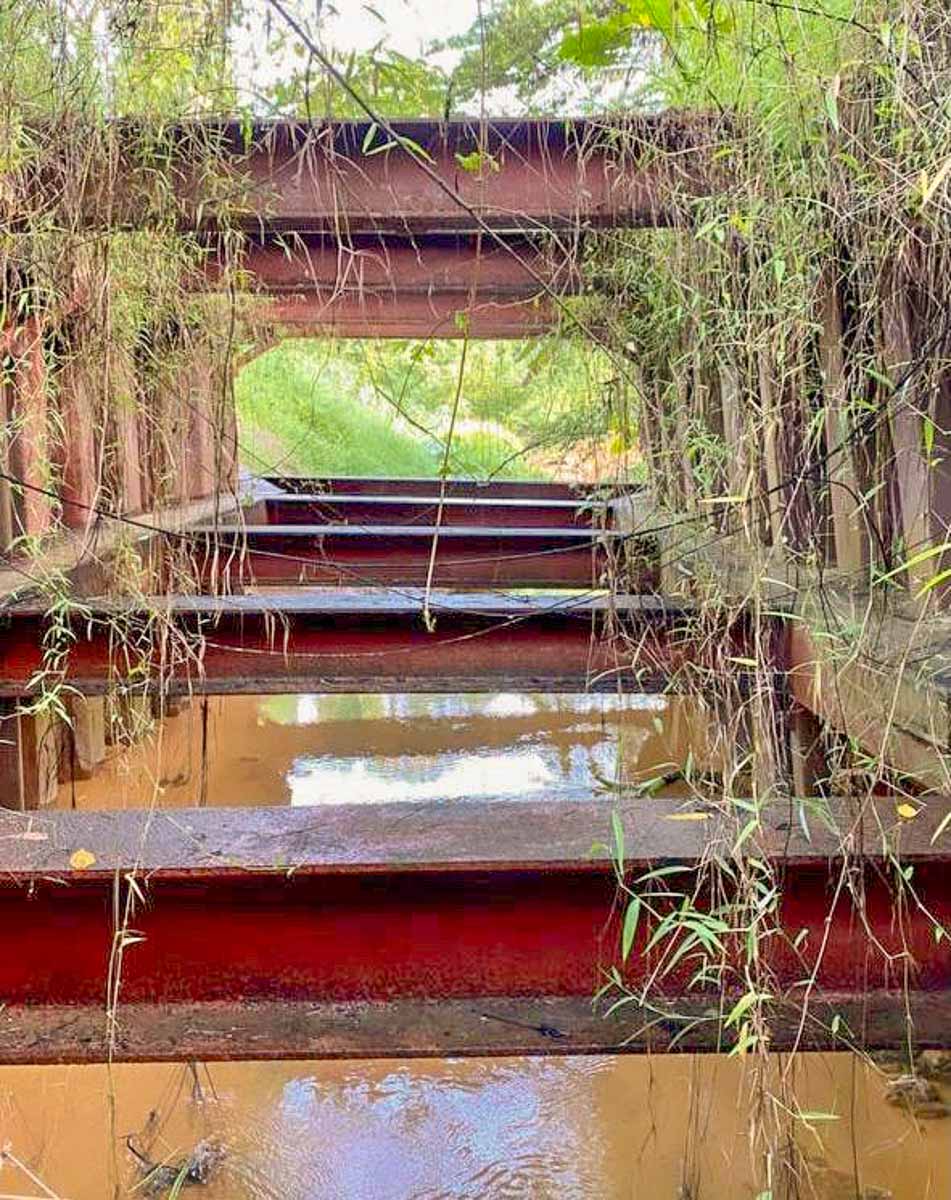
(934, 1064)
(918, 1095)
(159, 1177)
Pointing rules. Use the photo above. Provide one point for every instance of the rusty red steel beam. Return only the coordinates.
(458, 265)
(358, 640)
(423, 510)
(491, 489)
(370, 286)
(390, 555)
(417, 315)
(468, 927)
(523, 175)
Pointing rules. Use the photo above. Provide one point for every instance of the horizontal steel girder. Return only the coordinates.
(467, 927)
(424, 510)
(390, 488)
(361, 640)
(523, 176)
(388, 555)
(329, 267)
(417, 315)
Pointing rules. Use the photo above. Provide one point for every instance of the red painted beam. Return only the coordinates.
(423, 510)
(421, 314)
(359, 641)
(489, 489)
(533, 175)
(480, 902)
(387, 555)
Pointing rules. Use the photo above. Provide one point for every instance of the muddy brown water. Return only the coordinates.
(539, 1129)
(250, 750)
(600, 1128)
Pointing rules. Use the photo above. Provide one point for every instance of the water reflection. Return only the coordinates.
(558, 1128)
(469, 747)
(317, 749)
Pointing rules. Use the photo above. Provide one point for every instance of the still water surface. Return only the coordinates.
(525, 1129)
(307, 750)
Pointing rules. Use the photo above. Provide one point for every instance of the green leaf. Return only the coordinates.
(631, 918)
(477, 161)
(390, 145)
(832, 108)
(933, 582)
(415, 149)
(618, 827)
(369, 136)
(920, 557)
(597, 43)
(743, 1006)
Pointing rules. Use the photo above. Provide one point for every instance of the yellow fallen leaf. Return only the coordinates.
(688, 816)
(907, 811)
(81, 860)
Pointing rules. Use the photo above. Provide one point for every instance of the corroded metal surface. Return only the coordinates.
(424, 510)
(478, 1026)
(352, 641)
(373, 485)
(372, 264)
(403, 555)
(540, 174)
(413, 315)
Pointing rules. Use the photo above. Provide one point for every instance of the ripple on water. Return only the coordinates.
(492, 1129)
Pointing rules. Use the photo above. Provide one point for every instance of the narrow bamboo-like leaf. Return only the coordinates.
(415, 149)
(743, 1006)
(629, 931)
(942, 826)
(933, 582)
(369, 136)
(920, 557)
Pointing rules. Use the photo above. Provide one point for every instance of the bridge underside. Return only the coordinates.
(447, 230)
(469, 927)
(480, 926)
